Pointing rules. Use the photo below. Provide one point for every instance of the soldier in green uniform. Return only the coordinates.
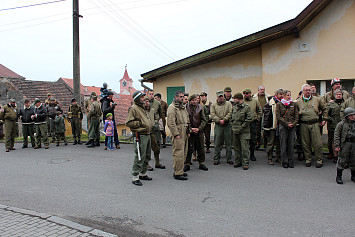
(28, 125)
(40, 118)
(87, 103)
(221, 112)
(156, 106)
(75, 116)
(52, 109)
(207, 130)
(350, 102)
(164, 109)
(95, 114)
(241, 119)
(9, 115)
(344, 142)
(60, 128)
(257, 112)
(309, 108)
(332, 116)
(140, 124)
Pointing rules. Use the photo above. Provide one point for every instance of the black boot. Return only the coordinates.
(91, 143)
(252, 156)
(339, 177)
(97, 142)
(57, 144)
(80, 142)
(353, 175)
(75, 142)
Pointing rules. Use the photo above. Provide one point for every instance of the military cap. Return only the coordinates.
(110, 93)
(228, 89)
(93, 93)
(108, 115)
(59, 112)
(52, 99)
(73, 100)
(203, 94)
(94, 97)
(48, 94)
(191, 97)
(220, 93)
(238, 96)
(27, 100)
(186, 94)
(37, 101)
(12, 100)
(247, 90)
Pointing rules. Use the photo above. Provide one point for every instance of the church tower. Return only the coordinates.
(126, 84)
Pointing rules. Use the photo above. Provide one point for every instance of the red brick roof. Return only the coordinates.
(121, 110)
(39, 89)
(5, 72)
(83, 90)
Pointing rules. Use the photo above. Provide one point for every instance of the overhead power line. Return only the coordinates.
(33, 5)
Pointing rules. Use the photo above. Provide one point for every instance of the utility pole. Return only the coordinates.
(76, 52)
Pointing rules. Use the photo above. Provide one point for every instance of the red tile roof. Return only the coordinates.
(84, 91)
(94, 89)
(5, 72)
(121, 109)
(39, 89)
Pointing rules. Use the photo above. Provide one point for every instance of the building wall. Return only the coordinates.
(120, 127)
(330, 37)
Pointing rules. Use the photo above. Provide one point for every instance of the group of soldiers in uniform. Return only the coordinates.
(244, 122)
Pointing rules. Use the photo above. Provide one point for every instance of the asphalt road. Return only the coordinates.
(93, 187)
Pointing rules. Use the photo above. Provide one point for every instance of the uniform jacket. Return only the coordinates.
(87, 103)
(287, 114)
(154, 104)
(26, 113)
(154, 120)
(52, 110)
(10, 113)
(59, 124)
(95, 110)
(255, 96)
(341, 131)
(241, 118)
(109, 128)
(178, 119)
(207, 108)
(270, 118)
(41, 114)
(255, 108)
(221, 111)
(350, 102)
(332, 114)
(75, 112)
(315, 104)
(138, 120)
(164, 108)
(330, 96)
(197, 117)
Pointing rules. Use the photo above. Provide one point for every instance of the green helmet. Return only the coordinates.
(348, 111)
(137, 94)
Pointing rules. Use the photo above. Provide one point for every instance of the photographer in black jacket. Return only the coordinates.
(28, 124)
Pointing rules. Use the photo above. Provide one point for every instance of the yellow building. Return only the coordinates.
(316, 46)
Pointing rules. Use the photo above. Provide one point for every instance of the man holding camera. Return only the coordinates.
(108, 106)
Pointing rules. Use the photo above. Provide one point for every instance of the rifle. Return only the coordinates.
(138, 151)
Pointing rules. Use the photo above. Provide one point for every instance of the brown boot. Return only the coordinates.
(269, 162)
(278, 159)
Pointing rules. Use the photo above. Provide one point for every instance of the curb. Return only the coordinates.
(59, 221)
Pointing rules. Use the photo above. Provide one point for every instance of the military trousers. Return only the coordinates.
(287, 140)
(42, 134)
(207, 132)
(52, 128)
(163, 132)
(241, 148)
(10, 133)
(310, 137)
(28, 130)
(94, 129)
(272, 140)
(253, 134)
(155, 148)
(331, 142)
(196, 143)
(140, 165)
(76, 128)
(180, 148)
(346, 156)
(222, 134)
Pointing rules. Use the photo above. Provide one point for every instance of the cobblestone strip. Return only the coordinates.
(20, 222)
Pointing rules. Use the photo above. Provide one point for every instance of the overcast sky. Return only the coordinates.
(36, 42)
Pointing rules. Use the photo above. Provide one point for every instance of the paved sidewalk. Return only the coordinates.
(20, 222)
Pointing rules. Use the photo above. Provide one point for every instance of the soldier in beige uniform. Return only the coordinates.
(335, 84)
(87, 104)
(309, 109)
(178, 123)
